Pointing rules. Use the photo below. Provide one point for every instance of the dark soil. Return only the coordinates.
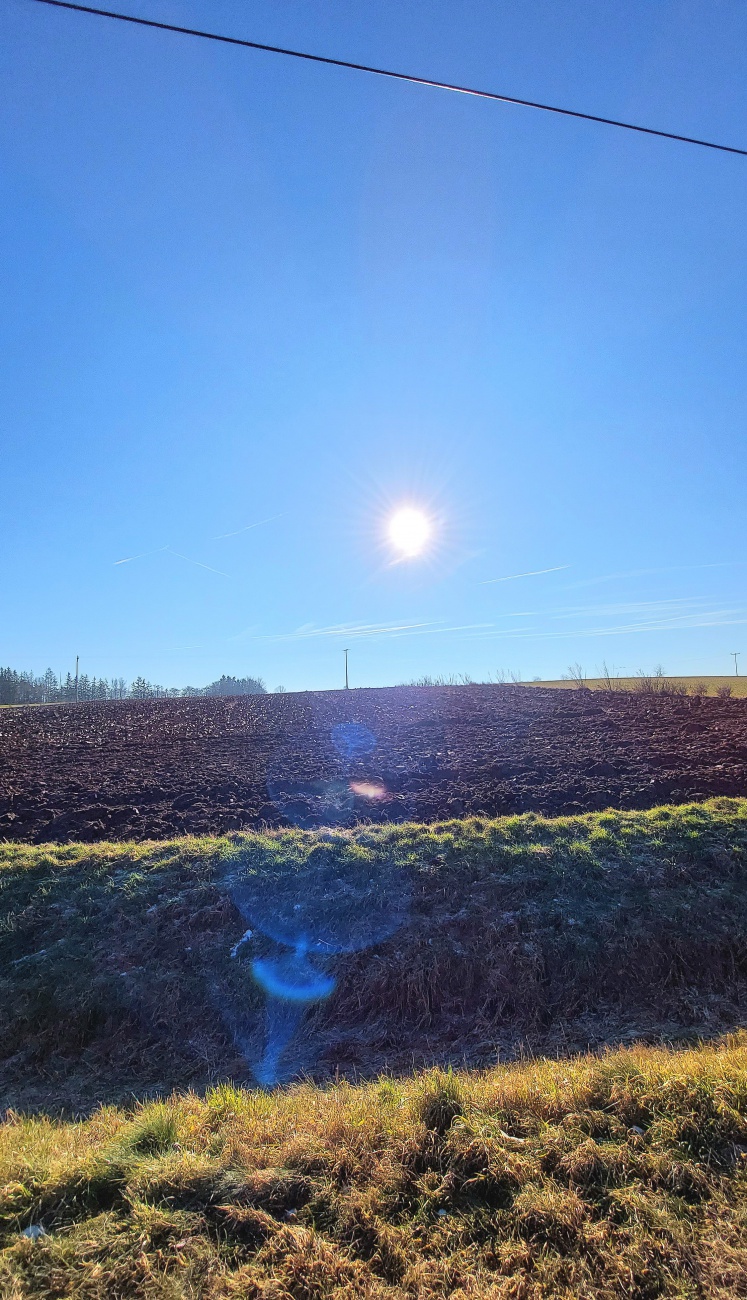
(140, 770)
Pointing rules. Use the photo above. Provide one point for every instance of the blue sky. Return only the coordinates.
(239, 288)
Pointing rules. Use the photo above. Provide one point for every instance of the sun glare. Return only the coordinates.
(409, 531)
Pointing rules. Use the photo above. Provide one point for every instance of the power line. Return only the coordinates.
(396, 76)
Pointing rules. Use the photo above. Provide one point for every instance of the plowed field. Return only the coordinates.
(152, 769)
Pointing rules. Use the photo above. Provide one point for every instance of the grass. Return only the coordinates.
(680, 685)
(518, 933)
(617, 1174)
(614, 1176)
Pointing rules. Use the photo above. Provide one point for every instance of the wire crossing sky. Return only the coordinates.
(385, 72)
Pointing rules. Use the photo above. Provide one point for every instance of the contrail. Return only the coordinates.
(169, 551)
(143, 556)
(222, 536)
(669, 568)
(533, 573)
(160, 549)
(345, 629)
(199, 564)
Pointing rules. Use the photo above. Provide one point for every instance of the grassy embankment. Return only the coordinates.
(522, 932)
(622, 1175)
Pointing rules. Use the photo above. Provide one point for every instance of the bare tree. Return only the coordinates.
(609, 683)
(577, 675)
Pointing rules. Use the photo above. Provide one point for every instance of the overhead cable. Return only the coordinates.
(386, 72)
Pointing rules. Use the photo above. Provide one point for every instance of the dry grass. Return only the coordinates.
(116, 977)
(620, 1175)
(617, 1176)
(737, 686)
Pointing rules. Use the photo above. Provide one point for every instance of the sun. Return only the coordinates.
(409, 531)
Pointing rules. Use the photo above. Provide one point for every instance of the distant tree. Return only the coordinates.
(50, 686)
(8, 686)
(25, 688)
(236, 686)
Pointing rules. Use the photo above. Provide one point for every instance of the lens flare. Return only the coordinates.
(369, 789)
(338, 904)
(352, 739)
(292, 977)
(409, 531)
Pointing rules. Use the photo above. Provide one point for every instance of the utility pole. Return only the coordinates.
(347, 683)
(735, 655)
(77, 661)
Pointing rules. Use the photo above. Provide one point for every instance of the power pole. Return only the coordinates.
(77, 661)
(347, 683)
(735, 655)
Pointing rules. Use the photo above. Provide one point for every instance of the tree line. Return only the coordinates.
(18, 687)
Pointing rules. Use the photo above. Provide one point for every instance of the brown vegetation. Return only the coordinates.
(520, 934)
(620, 1177)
